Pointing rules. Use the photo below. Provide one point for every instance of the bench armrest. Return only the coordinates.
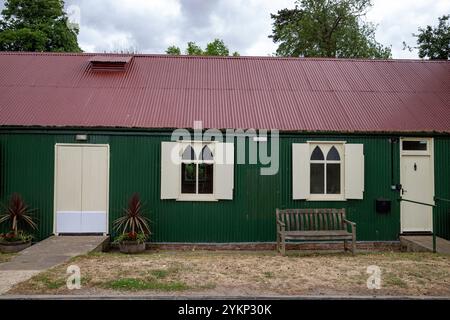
(281, 226)
(351, 224)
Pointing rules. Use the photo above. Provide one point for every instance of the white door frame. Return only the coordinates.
(428, 153)
(55, 177)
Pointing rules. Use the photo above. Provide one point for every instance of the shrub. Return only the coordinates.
(19, 215)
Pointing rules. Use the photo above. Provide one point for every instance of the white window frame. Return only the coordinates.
(417, 152)
(198, 147)
(325, 146)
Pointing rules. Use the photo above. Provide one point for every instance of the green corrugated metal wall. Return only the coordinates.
(27, 166)
(442, 185)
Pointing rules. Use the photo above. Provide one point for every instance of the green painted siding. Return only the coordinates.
(442, 186)
(27, 166)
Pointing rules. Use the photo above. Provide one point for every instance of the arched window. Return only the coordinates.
(206, 171)
(206, 154)
(333, 154)
(188, 170)
(325, 174)
(188, 153)
(317, 154)
(197, 173)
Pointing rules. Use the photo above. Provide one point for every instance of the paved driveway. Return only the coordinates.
(44, 255)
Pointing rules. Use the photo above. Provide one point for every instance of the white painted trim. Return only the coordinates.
(326, 197)
(341, 150)
(354, 171)
(300, 170)
(55, 177)
(196, 197)
(170, 170)
(325, 142)
(65, 211)
(427, 152)
(218, 167)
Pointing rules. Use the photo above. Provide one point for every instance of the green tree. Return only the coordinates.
(327, 28)
(173, 50)
(214, 48)
(434, 43)
(193, 49)
(36, 25)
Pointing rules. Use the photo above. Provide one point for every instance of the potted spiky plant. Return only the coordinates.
(19, 215)
(133, 227)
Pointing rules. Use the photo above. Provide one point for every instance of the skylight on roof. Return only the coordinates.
(110, 63)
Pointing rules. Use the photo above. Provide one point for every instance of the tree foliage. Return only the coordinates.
(327, 28)
(434, 43)
(36, 25)
(215, 48)
(193, 49)
(173, 50)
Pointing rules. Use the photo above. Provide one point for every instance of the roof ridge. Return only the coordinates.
(161, 55)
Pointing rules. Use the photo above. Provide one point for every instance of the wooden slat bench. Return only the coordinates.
(314, 224)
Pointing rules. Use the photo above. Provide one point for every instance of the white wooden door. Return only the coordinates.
(94, 196)
(68, 162)
(81, 188)
(417, 179)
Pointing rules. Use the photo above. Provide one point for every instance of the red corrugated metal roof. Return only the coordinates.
(290, 94)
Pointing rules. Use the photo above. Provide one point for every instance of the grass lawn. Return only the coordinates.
(4, 257)
(222, 273)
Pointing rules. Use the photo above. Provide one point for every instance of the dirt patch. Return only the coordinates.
(248, 274)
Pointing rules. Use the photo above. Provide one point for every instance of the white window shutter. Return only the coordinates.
(300, 170)
(170, 170)
(224, 171)
(354, 171)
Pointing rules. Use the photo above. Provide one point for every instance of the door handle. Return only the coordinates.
(403, 191)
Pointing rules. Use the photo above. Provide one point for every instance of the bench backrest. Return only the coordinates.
(312, 219)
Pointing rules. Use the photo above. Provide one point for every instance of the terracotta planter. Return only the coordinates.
(131, 247)
(12, 247)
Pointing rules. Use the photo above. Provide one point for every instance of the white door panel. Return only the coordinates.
(68, 184)
(68, 221)
(93, 222)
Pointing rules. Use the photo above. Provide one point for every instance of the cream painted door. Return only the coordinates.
(94, 196)
(68, 189)
(81, 188)
(417, 179)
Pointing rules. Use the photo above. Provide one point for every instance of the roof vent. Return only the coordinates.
(110, 63)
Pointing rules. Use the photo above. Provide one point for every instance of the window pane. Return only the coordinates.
(317, 178)
(317, 154)
(415, 145)
(188, 153)
(205, 178)
(206, 154)
(188, 177)
(333, 178)
(333, 154)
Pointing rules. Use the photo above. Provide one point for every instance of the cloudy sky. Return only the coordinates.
(150, 26)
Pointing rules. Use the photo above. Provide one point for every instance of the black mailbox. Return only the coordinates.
(383, 205)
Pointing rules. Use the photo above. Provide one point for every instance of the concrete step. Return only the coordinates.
(424, 243)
